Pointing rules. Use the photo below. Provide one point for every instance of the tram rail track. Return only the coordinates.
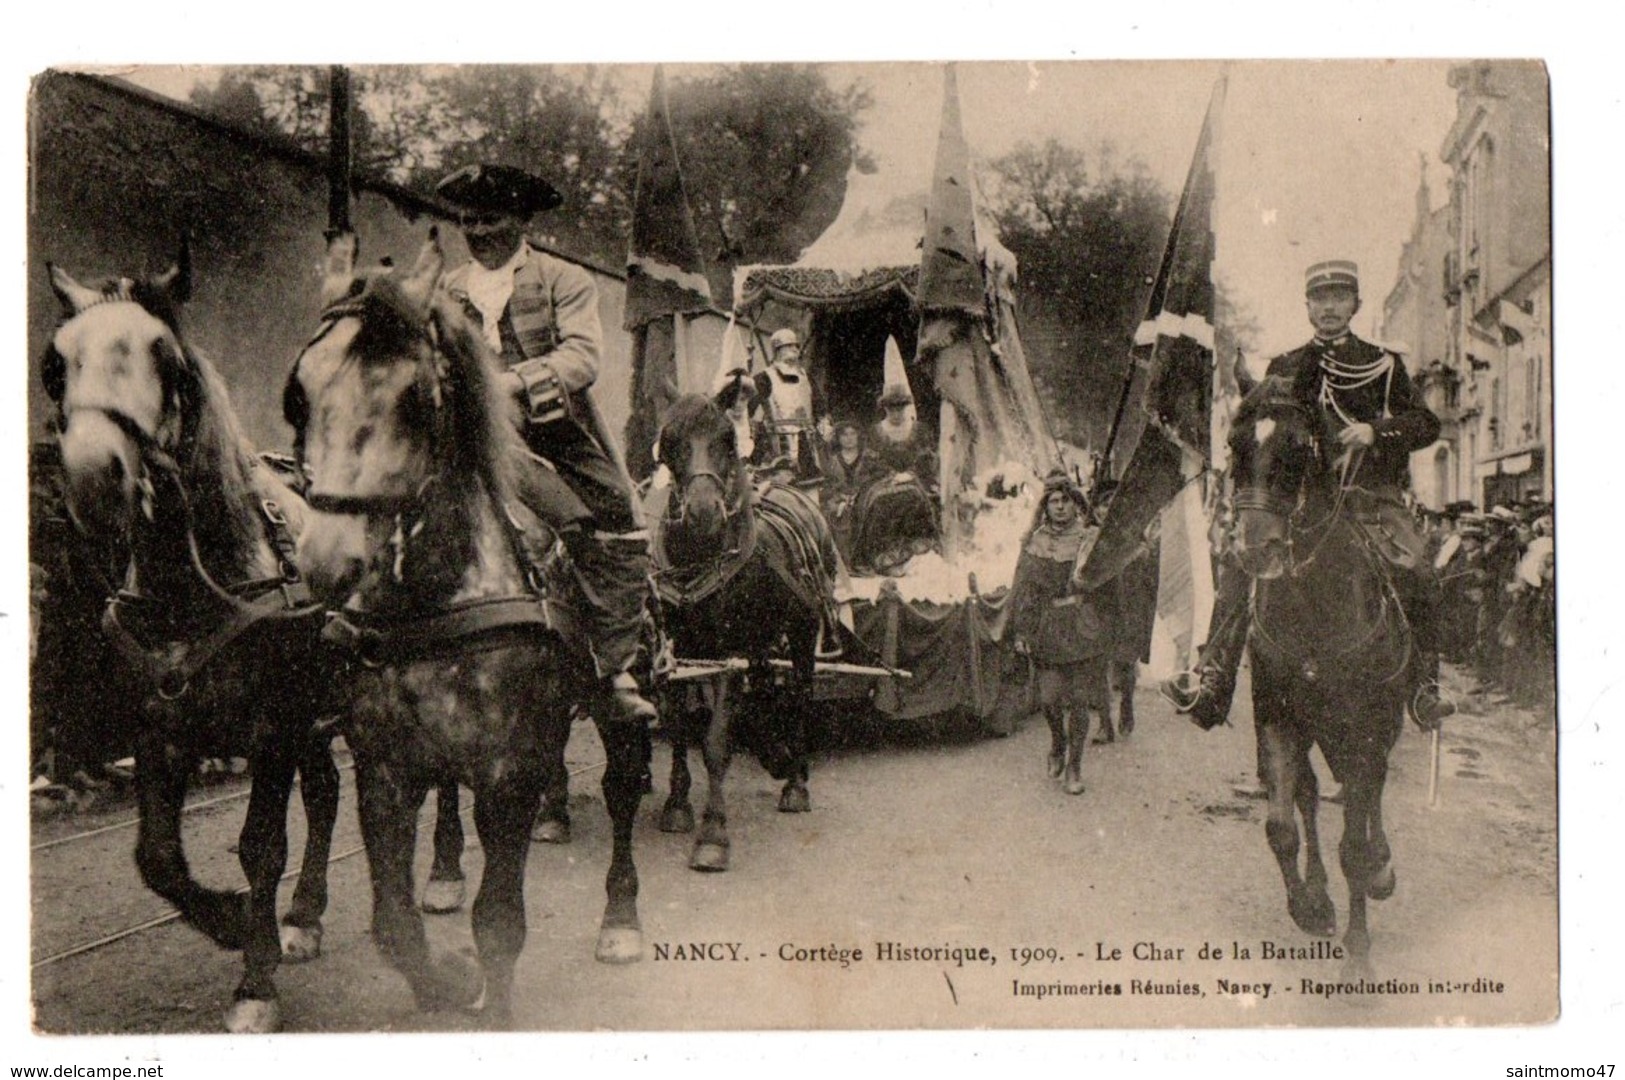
(172, 915)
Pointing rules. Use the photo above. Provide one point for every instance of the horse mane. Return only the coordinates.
(690, 415)
(487, 446)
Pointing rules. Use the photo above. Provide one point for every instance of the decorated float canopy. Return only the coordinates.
(872, 276)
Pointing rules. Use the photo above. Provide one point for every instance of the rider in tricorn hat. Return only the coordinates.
(540, 314)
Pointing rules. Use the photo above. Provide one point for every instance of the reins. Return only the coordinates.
(381, 639)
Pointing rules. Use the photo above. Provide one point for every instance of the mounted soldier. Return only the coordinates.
(1366, 396)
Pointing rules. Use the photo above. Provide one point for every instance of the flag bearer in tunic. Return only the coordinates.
(1380, 420)
(540, 314)
(1066, 633)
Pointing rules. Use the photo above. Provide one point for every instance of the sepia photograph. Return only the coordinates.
(790, 546)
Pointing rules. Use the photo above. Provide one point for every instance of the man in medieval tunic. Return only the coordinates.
(540, 314)
(1366, 394)
(790, 405)
(1066, 633)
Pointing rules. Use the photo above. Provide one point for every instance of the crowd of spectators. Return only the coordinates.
(1499, 614)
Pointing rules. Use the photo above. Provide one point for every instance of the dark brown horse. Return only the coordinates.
(740, 574)
(415, 464)
(1330, 648)
(212, 618)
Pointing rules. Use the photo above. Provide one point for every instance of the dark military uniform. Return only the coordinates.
(1354, 382)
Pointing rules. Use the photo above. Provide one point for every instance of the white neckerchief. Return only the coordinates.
(490, 290)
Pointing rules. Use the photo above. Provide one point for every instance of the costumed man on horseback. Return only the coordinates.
(540, 314)
(1365, 393)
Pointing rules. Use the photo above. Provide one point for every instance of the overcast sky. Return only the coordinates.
(1316, 159)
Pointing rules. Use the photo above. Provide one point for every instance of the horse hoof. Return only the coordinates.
(1317, 917)
(456, 983)
(709, 858)
(619, 945)
(1356, 968)
(253, 1016)
(443, 897)
(551, 831)
(300, 943)
(677, 819)
(794, 800)
(1073, 785)
(1382, 883)
(1057, 763)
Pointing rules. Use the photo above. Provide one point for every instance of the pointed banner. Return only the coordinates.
(665, 278)
(1173, 450)
(950, 269)
(665, 272)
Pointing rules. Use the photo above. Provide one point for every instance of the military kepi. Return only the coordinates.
(1331, 273)
(498, 189)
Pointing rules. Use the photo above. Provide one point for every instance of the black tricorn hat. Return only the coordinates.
(498, 189)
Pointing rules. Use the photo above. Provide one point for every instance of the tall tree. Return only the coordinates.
(1087, 228)
(765, 150)
(560, 123)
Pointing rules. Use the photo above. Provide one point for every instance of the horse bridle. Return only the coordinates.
(730, 509)
(406, 509)
(1292, 508)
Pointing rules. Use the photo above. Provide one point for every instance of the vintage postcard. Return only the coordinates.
(1026, 545)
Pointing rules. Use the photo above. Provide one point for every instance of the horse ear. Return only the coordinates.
(420, 282)
(74, 296)
(338, 269)
(177, 280)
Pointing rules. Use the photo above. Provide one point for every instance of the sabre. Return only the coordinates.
(1433, 766)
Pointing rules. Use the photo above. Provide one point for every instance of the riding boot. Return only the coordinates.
(613, 575)
(1419, 596)
(1205, 692)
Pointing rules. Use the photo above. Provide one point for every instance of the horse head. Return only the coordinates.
(126, 392)
(1276, 458)
(396, 414)
(698, 445)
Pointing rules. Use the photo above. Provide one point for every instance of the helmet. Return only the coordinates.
(782, 339)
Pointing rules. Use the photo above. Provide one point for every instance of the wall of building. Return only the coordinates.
(1492, 388)
(116, 175)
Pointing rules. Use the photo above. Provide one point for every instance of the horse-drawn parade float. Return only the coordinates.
(846, 475)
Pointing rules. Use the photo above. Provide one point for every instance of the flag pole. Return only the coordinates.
(338, 151)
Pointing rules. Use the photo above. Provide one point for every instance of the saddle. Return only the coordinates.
(1387, 526)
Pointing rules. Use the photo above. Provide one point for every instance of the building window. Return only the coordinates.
(1497, 423)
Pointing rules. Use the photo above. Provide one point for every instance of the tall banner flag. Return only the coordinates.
(1174, 449)
(989, 412)
(665, 279)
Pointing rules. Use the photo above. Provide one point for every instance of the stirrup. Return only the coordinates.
(1428, 705)
(1183, 690)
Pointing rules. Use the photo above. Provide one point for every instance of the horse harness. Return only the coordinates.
(1261, 499)
(489, 622)
(169, 666)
